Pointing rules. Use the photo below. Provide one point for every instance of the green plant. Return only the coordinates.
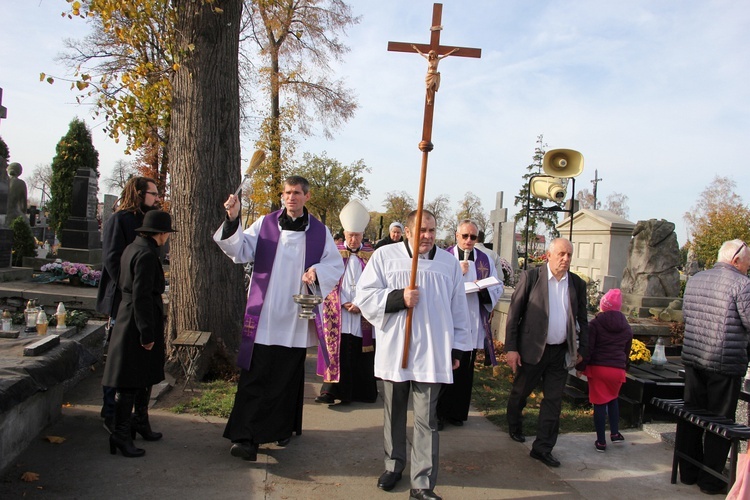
(74, 150)
(216, 399)
(74, 317)
(23, 241)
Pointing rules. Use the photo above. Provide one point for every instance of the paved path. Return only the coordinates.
(339, 455)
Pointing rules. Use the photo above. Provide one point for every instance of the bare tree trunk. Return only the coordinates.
(204, 155)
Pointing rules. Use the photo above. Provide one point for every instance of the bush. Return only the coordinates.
(23, 241)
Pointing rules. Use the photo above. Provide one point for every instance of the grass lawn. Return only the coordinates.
(491, 398)
(215, 399)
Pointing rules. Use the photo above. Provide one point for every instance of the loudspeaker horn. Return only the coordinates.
(549, 188)
(564, 163)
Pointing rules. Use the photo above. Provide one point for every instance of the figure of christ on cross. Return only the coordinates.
(432, 80)
(434, 52)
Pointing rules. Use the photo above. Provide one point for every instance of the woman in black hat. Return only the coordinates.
(136, 351)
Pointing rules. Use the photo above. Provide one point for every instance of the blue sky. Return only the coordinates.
(654, 94)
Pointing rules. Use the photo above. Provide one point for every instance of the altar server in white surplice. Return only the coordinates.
(288, 247)
(439, 333)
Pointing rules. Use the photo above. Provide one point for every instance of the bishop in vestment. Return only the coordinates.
(349, 375)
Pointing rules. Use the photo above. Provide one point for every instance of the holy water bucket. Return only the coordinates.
(307, 302)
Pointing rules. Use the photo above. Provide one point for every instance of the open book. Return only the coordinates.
(472, 287)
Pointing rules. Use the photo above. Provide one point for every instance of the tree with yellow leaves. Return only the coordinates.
(718, 215)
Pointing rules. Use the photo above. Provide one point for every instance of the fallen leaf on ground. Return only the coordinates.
(30, 477)
(55, 439)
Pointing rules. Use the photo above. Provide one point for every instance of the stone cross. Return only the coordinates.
(3, 109)
(33, 212)
(433, 52)
(497, 216)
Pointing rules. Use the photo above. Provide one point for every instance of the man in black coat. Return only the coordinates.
(547, 312)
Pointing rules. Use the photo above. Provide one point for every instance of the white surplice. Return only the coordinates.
(472, 299)
(439, 321)
(351, 323)
(278, 323)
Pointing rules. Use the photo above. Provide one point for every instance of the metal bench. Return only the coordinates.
(716, 424)
(189, 346)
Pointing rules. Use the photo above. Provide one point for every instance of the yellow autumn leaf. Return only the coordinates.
(41, 77)
(175, 66)
(55, 439)
(81, 85)
(218, 10)
(29, 477)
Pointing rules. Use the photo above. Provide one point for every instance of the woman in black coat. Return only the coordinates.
(139, 196)
(136, 351)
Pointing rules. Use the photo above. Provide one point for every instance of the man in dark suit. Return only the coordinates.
(547, 312)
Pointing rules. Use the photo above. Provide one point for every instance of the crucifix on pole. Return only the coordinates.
(433, 52)
(3, 109)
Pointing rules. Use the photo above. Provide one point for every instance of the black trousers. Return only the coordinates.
(551, 373)
(270, 396)
(455, 398)
(716, 393)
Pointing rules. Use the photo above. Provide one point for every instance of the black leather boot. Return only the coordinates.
(141, 424)
(121, 439)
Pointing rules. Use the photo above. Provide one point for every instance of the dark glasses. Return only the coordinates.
(473, 237)
(738, 251)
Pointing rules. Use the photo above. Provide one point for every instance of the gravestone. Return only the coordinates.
(107, 206)
(508, 248)
(81, 239)
(651, 279)
(600, 242)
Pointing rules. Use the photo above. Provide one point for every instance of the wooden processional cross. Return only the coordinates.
(433, 53)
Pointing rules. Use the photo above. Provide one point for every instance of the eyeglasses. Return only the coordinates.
(473, 237)
(738, 251)
(153, 193)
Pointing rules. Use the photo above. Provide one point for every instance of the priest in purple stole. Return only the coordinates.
(350, 374)
(291, 249)
(453, 405)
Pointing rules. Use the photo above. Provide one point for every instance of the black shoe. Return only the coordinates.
(546, 458)
(109, 424)
(518, 437)
(125, 445)
(325, 399)
(455, 421)
(283, 442)
(720, 491)
(423, 495)
(245, 450)
(388, 480)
